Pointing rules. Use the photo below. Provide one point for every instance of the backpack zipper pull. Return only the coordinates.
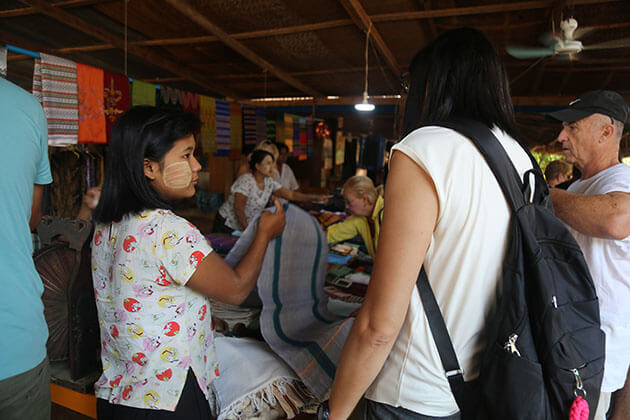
(510, 345)
(579, 386)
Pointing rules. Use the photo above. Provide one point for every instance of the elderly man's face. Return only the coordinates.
(579, 139)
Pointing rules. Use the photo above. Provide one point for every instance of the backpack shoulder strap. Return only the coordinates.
(495, 156)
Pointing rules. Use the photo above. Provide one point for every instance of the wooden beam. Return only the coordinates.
(24, 11)
(190, 12)
(212, 38)
(354, 8)
(476, 10)
(150, 56)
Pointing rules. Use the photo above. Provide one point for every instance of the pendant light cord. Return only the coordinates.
(367, 42)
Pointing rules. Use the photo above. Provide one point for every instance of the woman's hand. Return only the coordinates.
(272, 224)
(89, 202)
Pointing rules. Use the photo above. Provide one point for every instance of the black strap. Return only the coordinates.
(517, 194)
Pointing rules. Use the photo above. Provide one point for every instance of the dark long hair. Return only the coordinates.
(141, 132)
(459, 75)
(257, 157)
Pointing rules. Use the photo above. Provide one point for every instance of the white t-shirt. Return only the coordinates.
(257, 199)
(153, 327)
(286, 178)
(463, 264)
(609, 263)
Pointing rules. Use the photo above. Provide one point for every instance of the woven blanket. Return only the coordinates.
(255, 383)
(208, 133)
(55, 86)
(294, 320)
(222, 119)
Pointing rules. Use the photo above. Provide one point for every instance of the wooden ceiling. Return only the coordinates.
(245, 49)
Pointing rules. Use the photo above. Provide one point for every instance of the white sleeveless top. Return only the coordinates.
(463, 263)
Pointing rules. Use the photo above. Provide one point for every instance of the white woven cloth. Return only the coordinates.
(255, 384)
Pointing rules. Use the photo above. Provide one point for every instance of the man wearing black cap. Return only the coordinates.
(597, 210)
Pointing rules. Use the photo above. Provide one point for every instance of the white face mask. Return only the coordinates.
(177, 175)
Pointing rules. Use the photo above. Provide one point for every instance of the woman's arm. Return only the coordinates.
(240, 200)
(215, 279)
(298, 196)
(408, 223)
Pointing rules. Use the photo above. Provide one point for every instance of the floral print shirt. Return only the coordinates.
(153, 327)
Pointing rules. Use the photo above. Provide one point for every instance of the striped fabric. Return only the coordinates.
(55, 86)
(222, 109)
(261, 125)
(236, 129)
(310, 145)
(288, 132)
(249, 128)
(208, 133)
(294, 320)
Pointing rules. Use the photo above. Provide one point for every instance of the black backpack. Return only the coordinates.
(545, 345)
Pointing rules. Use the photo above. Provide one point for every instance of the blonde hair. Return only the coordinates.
(362, 186)
(268, 146)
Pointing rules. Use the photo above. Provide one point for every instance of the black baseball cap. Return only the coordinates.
(604, 102)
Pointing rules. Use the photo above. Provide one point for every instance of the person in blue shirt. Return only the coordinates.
(24, 170)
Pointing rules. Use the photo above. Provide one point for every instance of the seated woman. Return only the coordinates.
(365, 206)
(283, 173)
(265, 145)
(251, 192)
(153, 273)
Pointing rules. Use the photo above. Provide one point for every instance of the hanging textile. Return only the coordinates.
(208, 134)
(271, 131)
(236, 129)
(116, 97)
(288, 133)
(249, 128)
(340, 146)
(261, 125)
(222, 111)
(190, 102)
(310, 144)
(91, 110)
(142, 93)
(55, 86)
(169, 97)
(299, 130)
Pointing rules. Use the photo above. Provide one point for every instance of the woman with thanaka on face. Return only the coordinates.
(153, 273)
(365, 207)
(251, 192)
(265, 145)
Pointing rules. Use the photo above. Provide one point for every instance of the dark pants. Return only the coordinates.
(379, 411)
(219, 225)
(27, 395)
(192, 405)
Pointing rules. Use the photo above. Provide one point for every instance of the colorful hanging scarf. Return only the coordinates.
(116, 96)
(222, 109)
(208, 134)
(91, 111)
(142, 93)
(55, 86)
(169, 97)
(288, 133)
(294, 320)
(190, 102)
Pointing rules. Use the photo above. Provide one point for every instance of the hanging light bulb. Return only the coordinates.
(365, 106)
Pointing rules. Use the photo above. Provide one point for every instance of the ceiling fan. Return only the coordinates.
(564, 43)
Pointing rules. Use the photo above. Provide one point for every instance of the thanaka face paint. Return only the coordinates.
(178, 175)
